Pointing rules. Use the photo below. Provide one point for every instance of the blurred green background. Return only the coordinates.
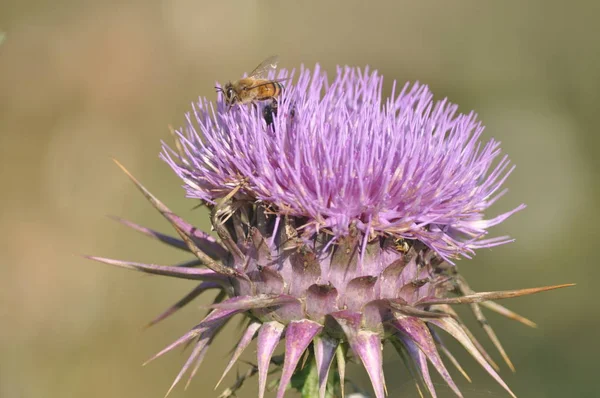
(82, 82)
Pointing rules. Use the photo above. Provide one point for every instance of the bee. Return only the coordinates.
(255, 87)
(401, 245)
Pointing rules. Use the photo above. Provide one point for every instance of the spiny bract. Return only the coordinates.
(338, 217)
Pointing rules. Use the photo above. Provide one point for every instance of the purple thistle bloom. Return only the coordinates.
(338, 218)
(407, 167)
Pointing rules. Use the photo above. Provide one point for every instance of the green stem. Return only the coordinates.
(306, 380)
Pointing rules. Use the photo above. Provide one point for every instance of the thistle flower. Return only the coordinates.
(339, 218)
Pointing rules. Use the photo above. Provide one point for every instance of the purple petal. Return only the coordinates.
(198, 290)
(204, 242)
(262, 253)
(450, 311)
(375, 313)
(298, 336)
(359, 291)
(196, 331)
(202, 352)
(228, 241)
(286, 309)
(367, 346)
(198, 361)
(451, 326)
(189, 264)
(169, 240)
(400, 307)
(165, 270)
(211, 321)
(416, 330)
(348, 320)
(390, 279)
(305, 271)
(324, 352)
(218, 315)
(199, 348)
(187, 232)
(242, 303)
(344, 261)
(267, 280)
(420, 361)
(242, 344)
(268, 337)
(320, 301)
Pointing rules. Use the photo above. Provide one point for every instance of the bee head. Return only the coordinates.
(231, 96)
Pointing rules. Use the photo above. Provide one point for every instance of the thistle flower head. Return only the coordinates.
(338, 215)
(339, 155)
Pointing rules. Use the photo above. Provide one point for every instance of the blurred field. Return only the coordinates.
(82, 82)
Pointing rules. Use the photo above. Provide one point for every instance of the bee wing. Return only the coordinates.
(261, 71)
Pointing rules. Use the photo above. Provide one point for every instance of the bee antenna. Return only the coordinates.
(219, 89)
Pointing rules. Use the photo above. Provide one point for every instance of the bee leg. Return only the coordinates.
(269, 111)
